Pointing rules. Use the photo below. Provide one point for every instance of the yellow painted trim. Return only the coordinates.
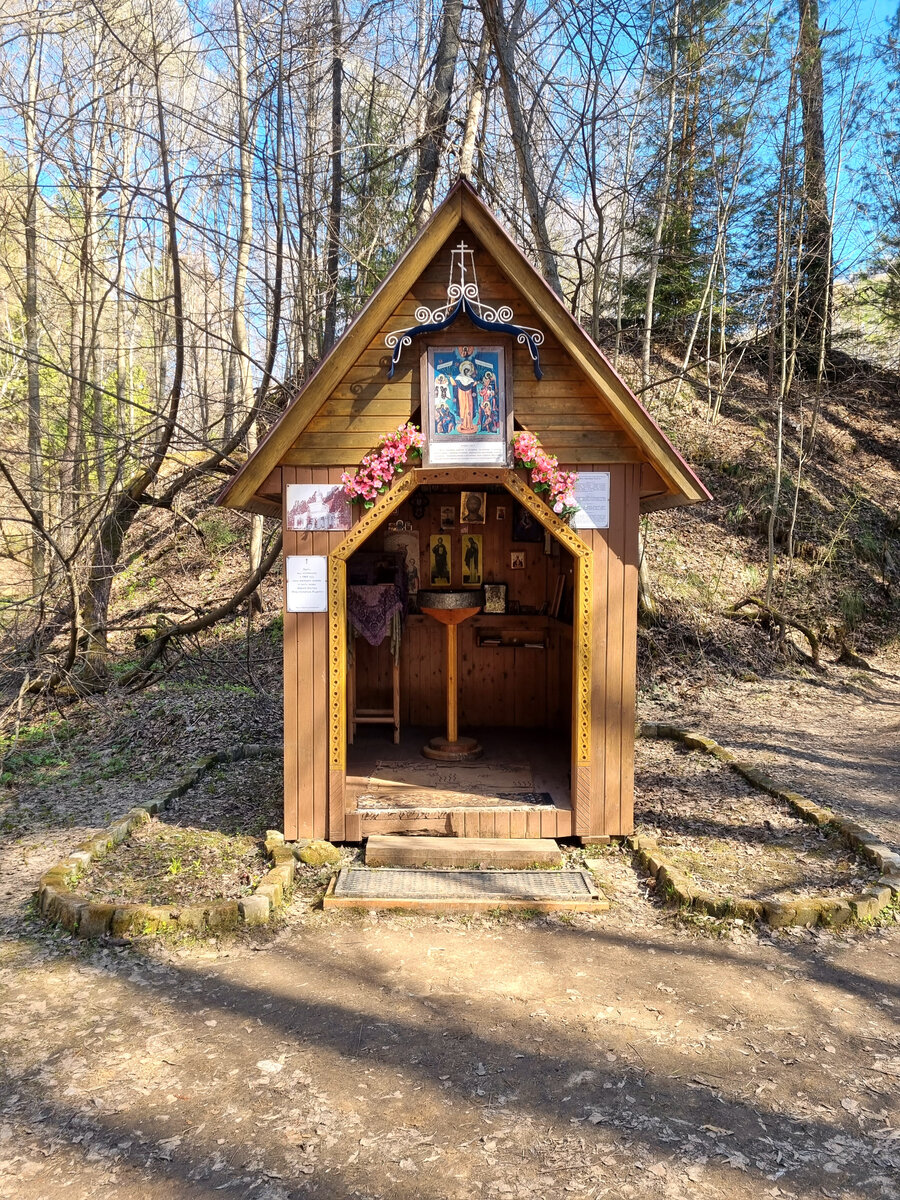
(582, 629)
(374, 516)
(583, 615)
(337, 662)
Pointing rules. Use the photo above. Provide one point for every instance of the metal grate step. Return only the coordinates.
(463, 891)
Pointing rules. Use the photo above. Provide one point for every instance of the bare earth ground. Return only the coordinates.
(623, 1055)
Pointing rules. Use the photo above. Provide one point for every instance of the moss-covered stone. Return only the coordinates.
(319, 854)
(222, 915)
(272, 889)
(284, 874)
(746, 909)
(866, 905)
(758, 778)
(56, 877)
(192, 916)
(67, 910)
(282, 856)
(801, 910)
(674, 732)
(854, 834)
(653, 863)
(48, 896)
(255, 909)
(696, 741)
(835, 912)
(136, 919)
(96, 919)
(119, 831)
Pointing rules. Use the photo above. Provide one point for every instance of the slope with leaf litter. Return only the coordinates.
(838, 571)
(732, 839)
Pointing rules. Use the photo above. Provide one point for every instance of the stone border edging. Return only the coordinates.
(92, 919)
(801, 910)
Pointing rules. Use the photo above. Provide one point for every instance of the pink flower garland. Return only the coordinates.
(545, 474)
(378, 468)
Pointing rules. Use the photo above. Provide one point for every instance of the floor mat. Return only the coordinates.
(398, 887)
(477, 776)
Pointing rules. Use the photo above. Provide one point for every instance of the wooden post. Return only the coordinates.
(452, 730)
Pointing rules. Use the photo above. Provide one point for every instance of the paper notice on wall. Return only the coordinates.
(592, 498)
(306, 583)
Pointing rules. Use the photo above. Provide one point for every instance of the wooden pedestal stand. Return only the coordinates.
(451, 613)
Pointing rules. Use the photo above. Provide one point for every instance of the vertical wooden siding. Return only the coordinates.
(306, 687)
(614, 654)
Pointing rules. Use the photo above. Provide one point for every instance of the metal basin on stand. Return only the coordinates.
(451, 609)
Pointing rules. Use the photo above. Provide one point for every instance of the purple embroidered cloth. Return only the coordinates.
(370, 608)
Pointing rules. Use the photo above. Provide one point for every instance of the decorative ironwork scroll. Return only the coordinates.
(463, 298)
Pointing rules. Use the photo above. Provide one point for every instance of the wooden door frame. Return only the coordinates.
(582, 630)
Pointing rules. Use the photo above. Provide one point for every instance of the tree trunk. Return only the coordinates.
(440, 96)
(241, 397)
(473, 113)
(815, 265)
(333, 241)
(497, 26)
(35, 455)
(656, 247)
(125, 505)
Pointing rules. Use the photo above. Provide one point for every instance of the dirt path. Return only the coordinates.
(399, 1057)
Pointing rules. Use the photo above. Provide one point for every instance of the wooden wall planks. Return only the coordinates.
(563, 409)
(614, 655)
(306, 688)
(498, 685)
(525, 688)
(520, 687)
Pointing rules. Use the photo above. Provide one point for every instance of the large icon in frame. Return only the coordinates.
(465, 406)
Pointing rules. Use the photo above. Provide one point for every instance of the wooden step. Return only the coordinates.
(384, 850)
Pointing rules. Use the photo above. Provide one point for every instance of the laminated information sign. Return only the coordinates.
(306, 579)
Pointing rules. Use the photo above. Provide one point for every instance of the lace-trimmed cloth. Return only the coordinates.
(371, 608)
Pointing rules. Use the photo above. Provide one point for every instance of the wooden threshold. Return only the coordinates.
(525, 822)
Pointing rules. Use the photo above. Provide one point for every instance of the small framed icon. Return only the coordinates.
(472, 508)
(441, 562)
(471, 560)
(517, 560)
(494, 598)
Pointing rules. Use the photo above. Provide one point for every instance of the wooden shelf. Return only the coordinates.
(518, 638)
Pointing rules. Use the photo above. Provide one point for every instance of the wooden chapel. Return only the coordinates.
(535, 686)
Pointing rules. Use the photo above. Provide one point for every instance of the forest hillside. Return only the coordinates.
(195, 200)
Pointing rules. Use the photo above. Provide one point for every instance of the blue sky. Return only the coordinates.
(854, 232)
